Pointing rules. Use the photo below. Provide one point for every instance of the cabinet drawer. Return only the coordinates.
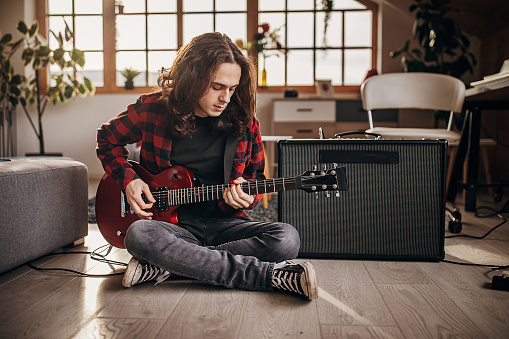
(304, 110)
(304, 131)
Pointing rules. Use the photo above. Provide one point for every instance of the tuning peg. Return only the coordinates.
(316, 195)
(327, 194)
(338, 194)
(315, 167)
(334, 165)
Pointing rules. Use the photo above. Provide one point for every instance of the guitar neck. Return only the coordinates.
(191, 195)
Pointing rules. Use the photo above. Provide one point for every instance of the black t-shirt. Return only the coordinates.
(203, 155)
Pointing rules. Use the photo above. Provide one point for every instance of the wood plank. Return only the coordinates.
(487, 308)
(279, 314)
(120, 328)
(65, 312)
(396, 272)
(474, 251)
(207, 311)
(146, 301)
(24, 293)
(424, 311)
(345, 290)
(365, 332)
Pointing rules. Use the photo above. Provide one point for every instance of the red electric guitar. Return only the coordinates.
(174, 187)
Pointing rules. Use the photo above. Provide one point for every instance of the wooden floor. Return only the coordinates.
(362, 299)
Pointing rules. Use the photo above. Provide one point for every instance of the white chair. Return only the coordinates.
(424, 91)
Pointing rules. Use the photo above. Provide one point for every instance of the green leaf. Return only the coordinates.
(58, 54)
(78, 57)
(43, 51)
(89, 84)
(27, 56)
(17, 79)
(6, 38)
(68, 92)
(68, 33)
(14, 101)
(33, 29)
(15, 90)
(22, 27)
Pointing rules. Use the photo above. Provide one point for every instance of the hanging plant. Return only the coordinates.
(327, 8)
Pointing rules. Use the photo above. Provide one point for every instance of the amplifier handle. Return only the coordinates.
(339, 135)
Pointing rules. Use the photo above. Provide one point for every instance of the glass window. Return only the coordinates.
(146, 34)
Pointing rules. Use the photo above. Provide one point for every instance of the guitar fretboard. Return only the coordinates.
(181, 196)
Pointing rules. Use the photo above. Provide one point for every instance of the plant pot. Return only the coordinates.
(129, 84)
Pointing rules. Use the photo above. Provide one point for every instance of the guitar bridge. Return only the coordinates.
(123, 205)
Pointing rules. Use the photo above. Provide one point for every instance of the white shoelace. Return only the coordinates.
(151, 272)
(287, 281)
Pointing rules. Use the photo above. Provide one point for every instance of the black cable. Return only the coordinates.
(504, 209)
(95, 255)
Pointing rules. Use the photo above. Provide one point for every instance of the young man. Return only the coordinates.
(204, 120)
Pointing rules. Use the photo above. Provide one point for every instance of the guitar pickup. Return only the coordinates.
(161, 197)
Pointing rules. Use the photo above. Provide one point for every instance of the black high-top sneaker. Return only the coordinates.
(296, 278)
(136, 273)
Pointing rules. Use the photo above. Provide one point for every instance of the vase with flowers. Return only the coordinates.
(266, 43)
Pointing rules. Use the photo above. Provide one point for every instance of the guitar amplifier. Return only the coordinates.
(394, 208)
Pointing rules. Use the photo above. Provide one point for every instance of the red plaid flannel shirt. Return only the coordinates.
(143, 121)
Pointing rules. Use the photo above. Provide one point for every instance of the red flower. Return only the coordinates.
(265, 27)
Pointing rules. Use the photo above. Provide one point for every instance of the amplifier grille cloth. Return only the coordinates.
(390, 210)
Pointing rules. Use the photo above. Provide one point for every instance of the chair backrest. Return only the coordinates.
(413, 90)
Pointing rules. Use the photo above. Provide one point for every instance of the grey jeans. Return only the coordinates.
(235, 253)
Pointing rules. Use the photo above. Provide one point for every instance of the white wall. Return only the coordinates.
(70, 128)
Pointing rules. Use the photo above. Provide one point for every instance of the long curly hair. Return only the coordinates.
(191, 76)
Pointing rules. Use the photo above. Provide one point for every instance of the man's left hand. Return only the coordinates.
(236, 197)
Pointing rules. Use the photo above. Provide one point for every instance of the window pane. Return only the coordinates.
(162, 31)
(271, 5)
(233, 25)
(133, 6)
(196, 24)
(57, 25)
(89, 32)
(94, 66)
(275, 21)
(358, 29)
(300, 5)
(347, 4)
(197, 6)
(136, 60)
(357, 65)
(328, 66)
(334, 29)
(131, 32)
(156, 60)
(88, 7)
(160, 6)
(275, 67)
(300, 30)
(231, 5)
(300, 68)
(59, 6)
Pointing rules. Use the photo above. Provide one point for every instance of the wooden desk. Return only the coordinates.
(488, 96)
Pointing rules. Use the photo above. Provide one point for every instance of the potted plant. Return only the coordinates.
(129, 74)
(64, 85)
(10, 94)
(443, 48)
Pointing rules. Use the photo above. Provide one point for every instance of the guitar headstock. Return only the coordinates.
(324, 180)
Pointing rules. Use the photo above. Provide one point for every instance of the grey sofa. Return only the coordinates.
(43, 207)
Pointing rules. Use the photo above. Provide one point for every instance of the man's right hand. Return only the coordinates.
(133, 193)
